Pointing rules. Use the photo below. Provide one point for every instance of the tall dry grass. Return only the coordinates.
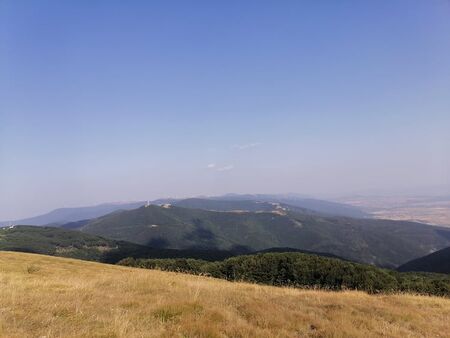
(43, 296)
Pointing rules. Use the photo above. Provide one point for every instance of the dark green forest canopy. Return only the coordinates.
(303, 270)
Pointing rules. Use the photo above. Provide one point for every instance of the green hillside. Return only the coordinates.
(75, 244)
(380, 242)
(438, 262)
(56, 242)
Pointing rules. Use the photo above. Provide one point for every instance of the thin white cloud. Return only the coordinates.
(247, 145)
(211, 166)
(226, 168)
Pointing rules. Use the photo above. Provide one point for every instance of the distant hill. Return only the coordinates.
(380, 242)
(265, 202)
(75, 244)
(317, 205)
(239, 205)
(438, 262)
(65, 215)
(224, 205)
(255, 203)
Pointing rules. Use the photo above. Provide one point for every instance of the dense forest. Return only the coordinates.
(303, 270)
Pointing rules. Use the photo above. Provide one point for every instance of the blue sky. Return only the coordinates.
(112, 100)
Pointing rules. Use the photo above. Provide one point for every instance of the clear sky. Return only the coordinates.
(128, 100)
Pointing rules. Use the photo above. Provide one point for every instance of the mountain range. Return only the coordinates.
(236, 224)
(380, 242)
(222, 203)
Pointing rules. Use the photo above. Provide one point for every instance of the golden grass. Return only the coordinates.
(43, 296)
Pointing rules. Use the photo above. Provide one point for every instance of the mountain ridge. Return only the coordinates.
(74, 214)
(379, 242)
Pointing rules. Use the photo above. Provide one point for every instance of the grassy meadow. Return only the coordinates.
(43, 296)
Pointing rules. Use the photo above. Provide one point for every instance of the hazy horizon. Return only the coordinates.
(419, 192)
(107, 101)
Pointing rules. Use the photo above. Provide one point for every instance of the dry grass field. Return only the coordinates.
(43, 296)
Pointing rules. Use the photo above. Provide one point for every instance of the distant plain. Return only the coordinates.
(423, 209)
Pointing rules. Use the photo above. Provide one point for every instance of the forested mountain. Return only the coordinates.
(220, 203)
(61, 242)
(242, 225)
(380, 242)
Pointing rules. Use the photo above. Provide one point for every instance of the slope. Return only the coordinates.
(59, 297)
(75, 244)
(438, 262)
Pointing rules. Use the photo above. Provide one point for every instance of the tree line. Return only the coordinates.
(303, 270)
